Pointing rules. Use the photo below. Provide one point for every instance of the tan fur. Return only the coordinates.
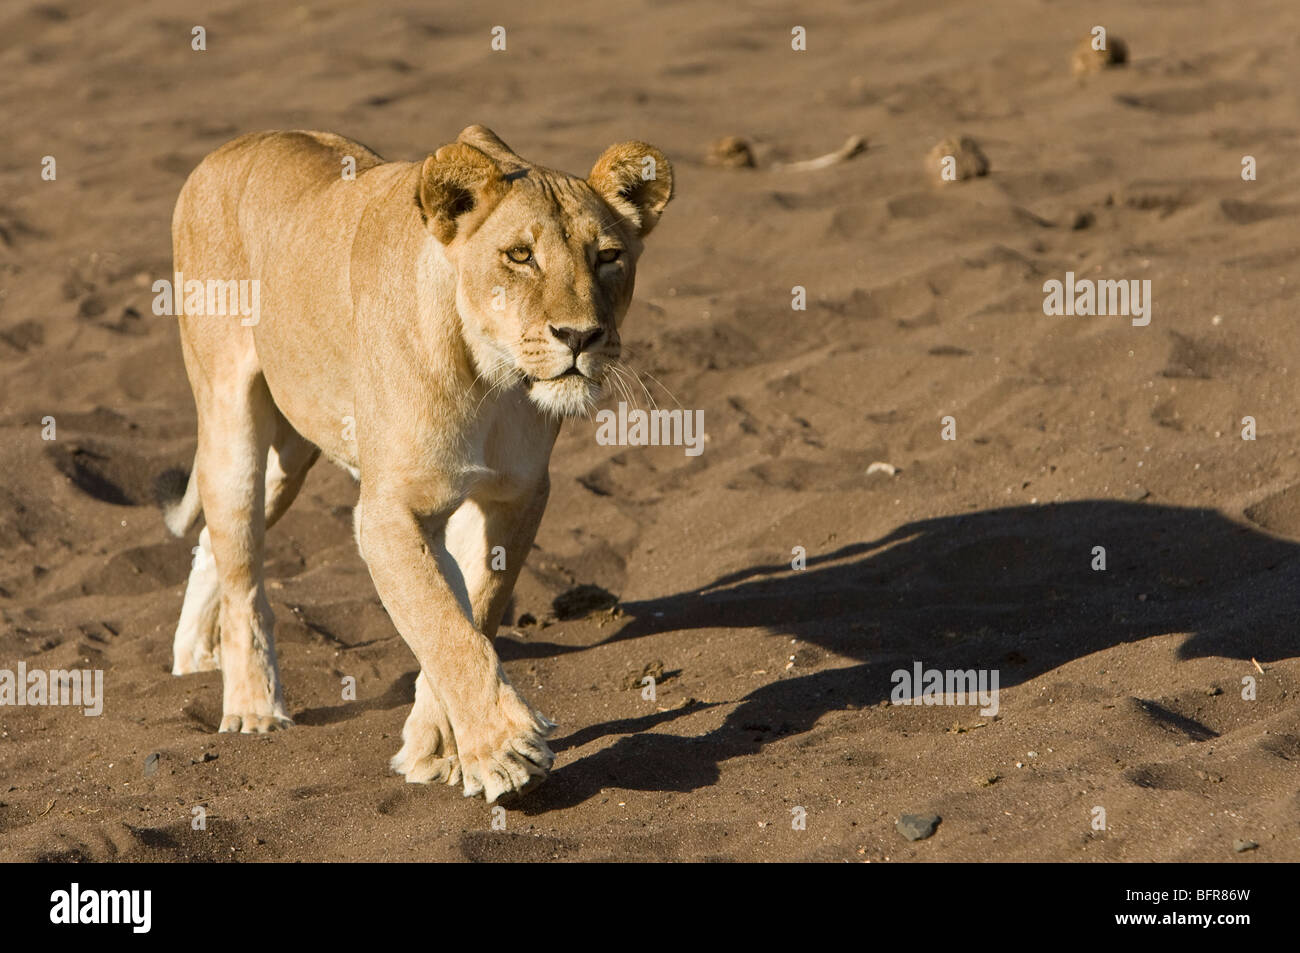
(397, 336)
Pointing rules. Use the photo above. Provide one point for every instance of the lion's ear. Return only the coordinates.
(489, 143)
(636, 179)
(459, 185)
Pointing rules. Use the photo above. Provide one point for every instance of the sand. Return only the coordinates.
(1121, 689)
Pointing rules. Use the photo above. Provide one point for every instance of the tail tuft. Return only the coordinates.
(177, 492)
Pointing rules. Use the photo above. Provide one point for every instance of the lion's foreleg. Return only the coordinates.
(499, 739)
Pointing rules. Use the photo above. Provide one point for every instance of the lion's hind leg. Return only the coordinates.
(428, 750)
(237, 425)
(197, 644)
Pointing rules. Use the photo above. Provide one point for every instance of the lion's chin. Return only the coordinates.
(569, 396)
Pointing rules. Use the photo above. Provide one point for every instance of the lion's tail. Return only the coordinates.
(177, 492)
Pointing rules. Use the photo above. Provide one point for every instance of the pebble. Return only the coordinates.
(1086, 60)
(151, 764)
(732, 152)
(969, 160)
(917, 826)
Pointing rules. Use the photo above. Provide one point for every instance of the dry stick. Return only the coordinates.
(852, 146)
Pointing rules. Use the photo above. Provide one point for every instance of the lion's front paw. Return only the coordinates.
(507, 754)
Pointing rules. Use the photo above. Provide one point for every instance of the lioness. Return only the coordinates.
(426, 325)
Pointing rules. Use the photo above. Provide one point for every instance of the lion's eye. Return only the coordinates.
(520, 254)
(609, 255)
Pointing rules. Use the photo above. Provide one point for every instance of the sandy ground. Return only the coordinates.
(1121, 689)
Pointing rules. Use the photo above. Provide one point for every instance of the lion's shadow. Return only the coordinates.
(1009, 589)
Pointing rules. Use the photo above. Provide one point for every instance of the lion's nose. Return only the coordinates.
(577, 340)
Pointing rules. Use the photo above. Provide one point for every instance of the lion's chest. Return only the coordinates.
(509, 451)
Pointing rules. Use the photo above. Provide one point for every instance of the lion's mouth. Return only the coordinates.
(571, 393)
(571, 372)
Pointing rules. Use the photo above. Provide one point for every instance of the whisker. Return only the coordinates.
(636, 375)
(620, 376)
(649, 396)
(611, 375)
(624, 373)
(665, 389)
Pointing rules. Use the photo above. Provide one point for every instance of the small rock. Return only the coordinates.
(582, 601)
(968, 160)
(1087, 60)
(1136, 494)
(917, 826)
(879, 467)
(1241, 846)
(731, 152)
(151, 764)
(1214, 690)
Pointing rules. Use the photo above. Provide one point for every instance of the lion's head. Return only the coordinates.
(545, 261)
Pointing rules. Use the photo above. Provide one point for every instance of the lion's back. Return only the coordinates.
(256, 184)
